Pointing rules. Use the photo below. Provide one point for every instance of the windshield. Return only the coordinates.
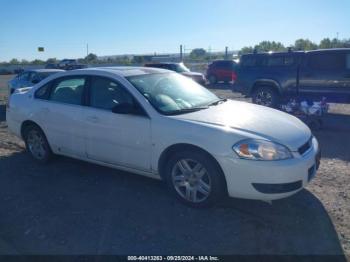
(171, 93)
(43, 75)
(180, 68)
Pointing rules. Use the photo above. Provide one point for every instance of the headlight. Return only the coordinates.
(261, 150)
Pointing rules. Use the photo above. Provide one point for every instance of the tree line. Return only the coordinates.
(200, 54)
(299, 45)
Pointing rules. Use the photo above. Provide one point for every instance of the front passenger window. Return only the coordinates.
(106, 94)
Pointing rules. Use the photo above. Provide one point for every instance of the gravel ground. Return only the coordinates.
(72, 207)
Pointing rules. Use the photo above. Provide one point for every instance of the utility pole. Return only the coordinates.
(181, 53)
(87, 49)
(226, 52)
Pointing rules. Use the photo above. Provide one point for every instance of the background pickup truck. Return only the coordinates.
(270, 78)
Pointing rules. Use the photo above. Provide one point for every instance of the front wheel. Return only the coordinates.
(266, 96)
(195, 178)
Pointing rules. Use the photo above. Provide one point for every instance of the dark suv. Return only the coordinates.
(221, 70)
(270, 77)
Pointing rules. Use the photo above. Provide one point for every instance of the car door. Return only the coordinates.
(59, 111)
(122, 139)
(325, 73)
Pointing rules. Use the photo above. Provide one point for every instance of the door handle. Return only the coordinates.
(93, 119)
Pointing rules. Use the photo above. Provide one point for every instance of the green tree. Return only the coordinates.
(266, 46)
(304, 44)
(91, 58)
(24, 62)
(51, 61)
(14, 61)
(138, 59)
(246, 50)
(325, 43)
(37, 62)
(198, 53)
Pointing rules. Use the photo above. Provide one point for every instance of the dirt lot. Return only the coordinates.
(72, 207)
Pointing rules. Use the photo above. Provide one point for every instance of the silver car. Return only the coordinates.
(29, 78)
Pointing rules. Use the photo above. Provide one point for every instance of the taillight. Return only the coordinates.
(233, 76)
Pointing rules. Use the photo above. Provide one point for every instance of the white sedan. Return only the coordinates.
(163, 125)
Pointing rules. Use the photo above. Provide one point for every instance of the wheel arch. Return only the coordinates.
(266, 83)
(28, 123)
(169, 151)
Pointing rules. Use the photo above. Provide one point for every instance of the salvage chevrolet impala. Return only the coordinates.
(161, 124)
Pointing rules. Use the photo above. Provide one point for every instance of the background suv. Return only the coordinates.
(270, 77)
(221, 70)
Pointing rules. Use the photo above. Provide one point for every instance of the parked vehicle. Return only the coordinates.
(29, 78)
(66, 64)
(148, 121)
(270, 77)
(181, 69)
(221, 70)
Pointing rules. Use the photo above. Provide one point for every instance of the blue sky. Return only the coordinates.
(64, 27)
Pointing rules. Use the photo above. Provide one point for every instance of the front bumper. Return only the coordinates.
(270, 180)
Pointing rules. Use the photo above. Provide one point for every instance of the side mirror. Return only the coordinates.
(123, 108)
(35, 81)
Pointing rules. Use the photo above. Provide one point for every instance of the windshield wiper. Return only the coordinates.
(185, 110)
(219, 101)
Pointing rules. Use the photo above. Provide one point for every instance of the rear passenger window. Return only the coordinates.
(69, 91)
(327, 61)
(275, 61)
(279, 61)
(249, 61)
(289, 60)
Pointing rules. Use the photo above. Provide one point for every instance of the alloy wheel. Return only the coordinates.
(191, 180)
(36, 144)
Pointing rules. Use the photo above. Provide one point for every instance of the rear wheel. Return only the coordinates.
(36, 144)
(212, 79)
(194, 178)
(266, 96)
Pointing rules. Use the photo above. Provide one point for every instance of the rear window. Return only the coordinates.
(279, 61)
(327, 61)
(249, 61)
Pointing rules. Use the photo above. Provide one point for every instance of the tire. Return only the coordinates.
(266, 96)
(37, 145)
(195, 178)
(212, 79)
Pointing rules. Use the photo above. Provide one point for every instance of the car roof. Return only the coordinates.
(126, 71)
(45, 70)
(298, 52)
(163, 63)
(222, 60)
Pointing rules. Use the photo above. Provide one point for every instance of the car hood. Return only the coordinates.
(192, 74)
(254, 121)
